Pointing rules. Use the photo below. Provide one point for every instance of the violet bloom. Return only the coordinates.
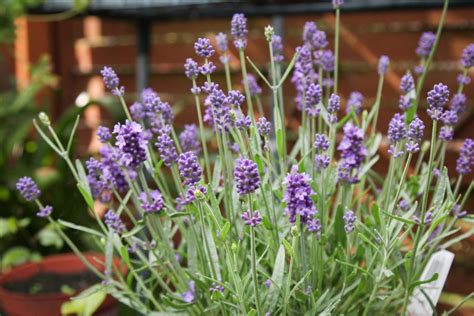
(96, 182)
(309, 31)
(268, 283)
(334, 106)
(131, 142)
(355, 102)
(467, 59)
(190, 294)
(103, 133)
(456, 210)
(449, 118)
(243, 122)
(337, 3)
(314, 226)
(327, 60)
(303, 63)
(151, 202)
(203, 48)
(235, 97)
(396, 133)
(353, 152)
(458, 103)
(425, 44)
(167, 149)
(321, 143)
(251, 219)
(407, 84)
(277, 46)
(238, 29)
(254, 88)
(216, 288)
(437, 98)
(465, 161)
(191, 68)
(137, 111)
(313, 98)
(110, 168)
(111, 81)
(208, 68)
(263, 126)
(298, 197)
(189, 139)
(321, 162)
(404, 205)
(114, 222)
(349, 220)
(384, 61)
(463, 80)
(415, 134)
(189, 196)
(28, 188)
(45, 211)
(221, 42)
(246, 176)
(189, 168)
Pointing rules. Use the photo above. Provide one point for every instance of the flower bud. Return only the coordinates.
(199, 195)
(269, 32)
(44, 118)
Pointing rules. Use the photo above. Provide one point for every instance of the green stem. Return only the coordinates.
(336, 50)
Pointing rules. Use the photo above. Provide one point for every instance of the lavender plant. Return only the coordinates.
(269, 226)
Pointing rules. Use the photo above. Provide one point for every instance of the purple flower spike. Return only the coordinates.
(246, 176)
(216, 288)
(355, 102)
(277, 46)
(263, 126)
(254, 88)
(45, 211)
(151, 203)
(298, 197)
(167, 150)
(456, 210)
(337, 3)
(104, 134)
(415, 134)
(111, 81)
(238, 29)
(114, 222)
(138, 111)
(405, 103)
(208, 68)
(425, 44)
(222, 42)
(321, 162)
(437, 98)
(191, 68)
(313, 98)
(309, 31)
(407, 83)
(28, 188)
(352, 151)
(334, 105)
(465, 161)
(384, 61)
(314, 226)
(268, 283)
(235, 97)
(189, 168)
(131, 142)
(349, 220)
(321, 143)
(458, 103)
(463, 80)
(189, 295)
(203, 48)
(396, 133)
(467, 59)
(251, 219)
(189, 139)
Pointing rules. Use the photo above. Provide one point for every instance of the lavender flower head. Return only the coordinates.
(337, 3)
(263, 126)
(45, 211)
(309, 31)
(321, 160)
(467, 59)
(189, 139)
(222, 42)
(167, 149)
(238, 29)
(384, 61)
(334, 105)
(151, 202)
(190, 294)
(314, 226)
(355, 102)
(114, 222)
(396, 133)
(111, 81)
(104, 134)
(449, 118)
(352, 151)
(277, 46)
(463, 79)
(321, 143)
(191, 68)
(458, 103)
(235, 97)
(131, 142)
(349, 220)
(246, 176)
(251, 219)
(465, 161)
(203, 48)
(189, 168)
(138, 111)
(216, 288)
(313, 98)
(437, 98)
(415, 134)
(425, 44)
(407, 83)
(28, 188)
(298, 197)
(254, 88)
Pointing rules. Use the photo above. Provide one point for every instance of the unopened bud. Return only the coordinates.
(269, 32)
(44, 118)
(199, 195)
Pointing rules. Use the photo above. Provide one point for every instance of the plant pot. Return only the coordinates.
(49, 304)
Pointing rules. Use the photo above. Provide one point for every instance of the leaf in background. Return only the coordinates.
(277, 279)
(49, 237)
(85, 305)
(15, 256)
(339, 231)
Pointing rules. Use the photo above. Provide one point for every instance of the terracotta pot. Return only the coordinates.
(49, 304)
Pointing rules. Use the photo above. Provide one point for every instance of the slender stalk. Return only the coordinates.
(254, 270)
(201, 132)
(248, 97)
(336, 50)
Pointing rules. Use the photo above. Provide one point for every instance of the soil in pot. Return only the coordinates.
(50, 282)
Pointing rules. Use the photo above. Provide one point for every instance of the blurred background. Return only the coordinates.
(51, 53)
